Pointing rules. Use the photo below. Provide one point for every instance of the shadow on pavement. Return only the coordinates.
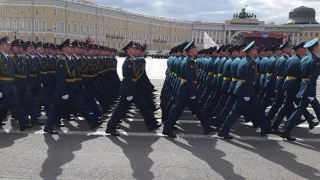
(137, 153)
(60, 152)
(215, 161)
(8, 140)
(273, 151)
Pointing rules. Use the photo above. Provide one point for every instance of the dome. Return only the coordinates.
(302, 15)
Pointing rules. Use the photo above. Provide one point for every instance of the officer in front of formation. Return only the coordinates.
(186, 94)
(8, 91)
(309, 67)
(245, 98)
(129, 92)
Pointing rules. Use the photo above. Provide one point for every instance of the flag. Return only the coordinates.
(208, 42)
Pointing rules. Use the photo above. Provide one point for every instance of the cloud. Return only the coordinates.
(215, 11)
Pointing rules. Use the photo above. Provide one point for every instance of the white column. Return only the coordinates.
(211, 34)
(216, 36)
(196, 39)
(292, 38)
(220, 38)
(224, 36)
(229, 36)
(298, 38)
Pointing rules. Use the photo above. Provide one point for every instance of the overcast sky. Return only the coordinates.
(213, 10)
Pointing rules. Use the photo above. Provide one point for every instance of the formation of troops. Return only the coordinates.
(221, 84)
(73, 78)
(217, 84)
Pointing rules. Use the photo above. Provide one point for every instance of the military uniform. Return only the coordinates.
(245, 98)
(130, 92)
(8, 91)
(309, 67)
(186, 96)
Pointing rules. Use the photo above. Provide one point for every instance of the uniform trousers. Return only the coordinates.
(239, 108)
(122, 107)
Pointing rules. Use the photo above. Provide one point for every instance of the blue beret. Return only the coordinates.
(250, 46)
(311, 43)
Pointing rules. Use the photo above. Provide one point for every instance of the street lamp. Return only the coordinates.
(15, 33)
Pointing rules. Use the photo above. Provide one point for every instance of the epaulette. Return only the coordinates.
(72, 57)
(27, 57)
(64, 58)
(12, 55)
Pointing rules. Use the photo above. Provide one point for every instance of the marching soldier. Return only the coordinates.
(245, 98)
(129, 92)
(309, 67)
(187, 94)
(66, 91)
(261, 54)
(290, 88)
(8, 91)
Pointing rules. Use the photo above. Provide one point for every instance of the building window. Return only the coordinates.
(140, 35)
(44, 10)
(316, 34)
(54, 12)
(119, 33)
(36, 24)
(69, 14)
(62, 13)
(98, 31)
(29, 24)
(93, 18)
(44, 25)
(75, 15)
(37, 39)
(87, 17)
(306, 34)
(104, 31)
(109, 31)
(69, 27)
(14, 24)
(128, 34)
(81, 16)
(55, 40)
(6, 10)
(88, 30)
(132, 34)
(114, 32)
(21, 10)
(75, 28)
(81, 29)
(21, 24)
(36, 10)
(62, 27)
(14, 10)
(29, 10)
(124, 33)
(93, 29)
(102, 19)
(311, 34)
(115, 21)
(55, 25)
(98, 19)
(7, 24)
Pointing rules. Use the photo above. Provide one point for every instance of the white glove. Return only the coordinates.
(0, 94)
(247, 98)
(298, 96)
(311, 98)
(193, 97)
(65, 97)
(129, 98)
(41, 85)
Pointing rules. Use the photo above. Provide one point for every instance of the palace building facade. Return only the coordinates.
(57, 20)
